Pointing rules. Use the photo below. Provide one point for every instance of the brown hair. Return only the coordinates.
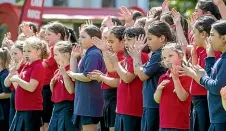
(38, 44)
(56, 28)
(93, 31)
(5, 57)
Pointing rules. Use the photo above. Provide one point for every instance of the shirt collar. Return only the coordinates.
(91, 48)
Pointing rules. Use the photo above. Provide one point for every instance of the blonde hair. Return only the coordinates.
(5, 57)
(19, 44)
(38, 44)
(63, 46)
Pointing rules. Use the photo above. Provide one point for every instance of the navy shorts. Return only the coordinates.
(127, 123)
(78, 120)
(61, 117)
(150, 119)
(12, 107)
(4, 114)
(109, 113)
(201, 120)
(171, 129)
(27, 121)
(217, 127)
(47, 104)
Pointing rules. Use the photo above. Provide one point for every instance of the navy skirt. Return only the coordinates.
(61, 117)
(201, 120)
(47, 104)
(109, 113)
(4, 114)
(27, 121)
(150, 119)
(12, 107)
(217, 127)
(127, 123)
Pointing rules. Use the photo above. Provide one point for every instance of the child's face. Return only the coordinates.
(17, 54)
(154, 42)
(115, 44)
(85, 39)
(197, 38)
(129, 41)
(216, 40)
(170, 57)
(31, 54)
(52, 38)
(59, 57)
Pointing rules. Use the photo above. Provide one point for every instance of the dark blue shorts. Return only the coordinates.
(78, 120)
(127, 123)
(109, 113)
(61, 117)
(217, 127)
(27, 121)
(150, 119)
(4, 114)
(201, 120)
(171, 129)
(12, 107)
(47, 104)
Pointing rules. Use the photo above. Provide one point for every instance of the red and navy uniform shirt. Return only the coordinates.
(173, 112)
(129, 95)
(196, 89)
(60, 92)
(25, 100)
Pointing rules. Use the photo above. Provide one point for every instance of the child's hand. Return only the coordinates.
(62, 70)
(95, 75)
(109, 23)
(150, 17)
(14, 78)
(76, 51)
(126, 14)
(52, 82)
(112, 57)
(223, 93)
(165, 6)
(101, 44)
(27, 30)
(163, 84)
(209, 48)
(7, 42)
(176, 17)
(89, 22)
(175, 72)
(71, 74)
(218, 2)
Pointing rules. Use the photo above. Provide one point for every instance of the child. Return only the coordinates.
(54, 32)
(129, 93)
(201, 29)
(28, 96)
(62, 88)
(17, 66)
(158, 34)
(4, 92)
(214, 77)
(172, 93)
(88, 110)
(111, 79)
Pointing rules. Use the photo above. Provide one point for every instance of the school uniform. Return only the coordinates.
(46, 92)
(89, 101)
(153, 69)
(213, 82)
(12, 99)
(4, 103)
(63, 106)
(174, 114)
(110, 97)
(129, 107)
(29, 104)
(200, 113)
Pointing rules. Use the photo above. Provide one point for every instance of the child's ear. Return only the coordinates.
(181, 56)
(203, 35)
(58, 35)
(162, 39)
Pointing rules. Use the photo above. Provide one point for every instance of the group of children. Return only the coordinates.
(152, 73)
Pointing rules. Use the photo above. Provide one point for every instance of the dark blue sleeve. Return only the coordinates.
(92, 62)
(209, 64)
(151, 67)
(214, 85)
(4, 89)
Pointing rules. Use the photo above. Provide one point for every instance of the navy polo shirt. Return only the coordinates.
(153, 69)
(89, 99)
(4, 103)
(213, 82)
